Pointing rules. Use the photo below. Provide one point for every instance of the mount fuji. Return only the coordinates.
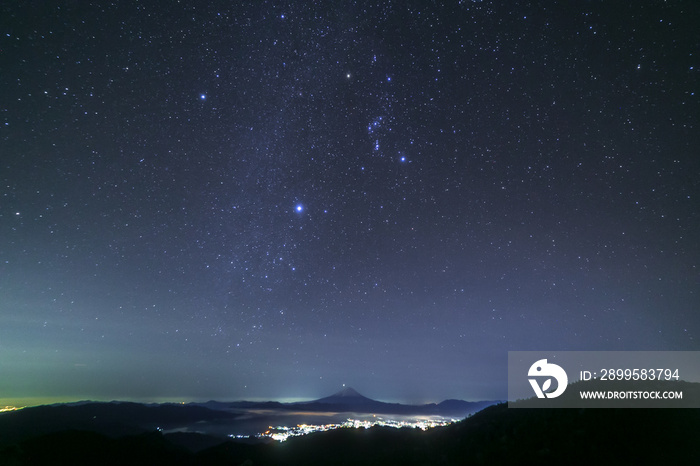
(350, 400)
(347, 395)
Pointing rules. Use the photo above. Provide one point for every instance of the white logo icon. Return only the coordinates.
(543, 369)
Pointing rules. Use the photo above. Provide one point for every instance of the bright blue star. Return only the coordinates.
(299, 208)
(202, 96)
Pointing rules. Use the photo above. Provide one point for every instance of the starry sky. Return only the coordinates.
(270, 199)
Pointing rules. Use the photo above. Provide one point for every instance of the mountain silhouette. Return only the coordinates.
(346, 396)
(350, 400)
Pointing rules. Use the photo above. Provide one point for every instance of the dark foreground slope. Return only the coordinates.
(114, 419)
(496, 435)
(499, 435)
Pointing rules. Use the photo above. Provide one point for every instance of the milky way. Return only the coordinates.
(270, 199)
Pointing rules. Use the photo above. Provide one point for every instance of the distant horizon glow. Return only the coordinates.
(28, 402)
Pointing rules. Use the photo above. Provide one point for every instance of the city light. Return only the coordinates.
(8, 408)
(282, 433)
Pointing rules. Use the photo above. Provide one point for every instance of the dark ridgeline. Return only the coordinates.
(349, 400)
(495, 435)
(114, 419)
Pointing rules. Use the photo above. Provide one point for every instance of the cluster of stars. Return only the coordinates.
(333, 182)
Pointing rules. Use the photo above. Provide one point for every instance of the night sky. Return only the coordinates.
(267, 200)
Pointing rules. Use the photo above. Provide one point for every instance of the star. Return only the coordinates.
(194, 205)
